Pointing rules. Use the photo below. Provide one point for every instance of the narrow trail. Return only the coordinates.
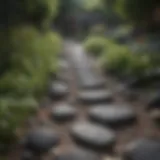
(84, 77)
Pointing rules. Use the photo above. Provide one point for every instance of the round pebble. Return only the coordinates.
(63, 112)
(77, 155)
(112, 115)
(93, 83)
(96, 96)
(41, 140)
(154, 102)
(93, 135)
(27, 155)
(143, 149)
(58, 90)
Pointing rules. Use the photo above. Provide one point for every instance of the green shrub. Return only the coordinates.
(98, 30)
(13, 112)
(139, 65)
(28, 52)
(36, 12)
(33, 58)
(121, 61)
(116, 58)
(95, 44)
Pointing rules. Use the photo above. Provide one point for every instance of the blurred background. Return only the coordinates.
(123, 36)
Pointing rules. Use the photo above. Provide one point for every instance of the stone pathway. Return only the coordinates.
(89, 119)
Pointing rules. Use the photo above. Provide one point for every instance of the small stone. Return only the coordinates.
(93, 83)
(58, 90)
(143, 149)
(93, 135)
(63, 112)
(63, 64)
(96, 96)
(27, 155)
(154, 102)
(41, 140)
(112, 115)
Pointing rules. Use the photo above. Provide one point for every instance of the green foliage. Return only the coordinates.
(138, 11)
(13, 113)
(28, 53)
(95, 44)
(98, 30)
(28, 11)
(34, 56)
(119, 60)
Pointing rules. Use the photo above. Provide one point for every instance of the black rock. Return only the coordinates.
(154, 102)
(27, 155)
(144, 149)
(58, 90)
(63, 112)
(112, 115)
(146, 80)
(41, 140)
(94, 96)
(77, 155)
(94, 136)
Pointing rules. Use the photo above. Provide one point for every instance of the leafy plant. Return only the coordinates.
(122, 62)
(95, 44)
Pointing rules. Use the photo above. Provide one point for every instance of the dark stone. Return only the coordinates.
(91, 135)
(155, 116)
(27, 155)
(63, 112)
(58, 90)
(77, 154)
(115, 116)
(95, 96)
(146, 80)
(154, 102)
(144, 149)
(41, 140)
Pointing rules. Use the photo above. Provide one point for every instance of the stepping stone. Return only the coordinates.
(92, 135)
(148, 79)
(154, 102)
(58, 90)
(63, 64)
(93, 83)
(41, 140)
(77, 155)
(111, 115)
(155, 116)
(63, 112)
(27, 155)
(96, 96)
(144, 149)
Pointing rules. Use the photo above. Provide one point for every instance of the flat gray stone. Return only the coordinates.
(154, 102)
(93, 135)
(27, 155)
(77, 154)
(58, 90)
(95, 96)
(91, 82)
(41, 140)
(63, 64)
(63, 112)
(143, 149)
(112, 115)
